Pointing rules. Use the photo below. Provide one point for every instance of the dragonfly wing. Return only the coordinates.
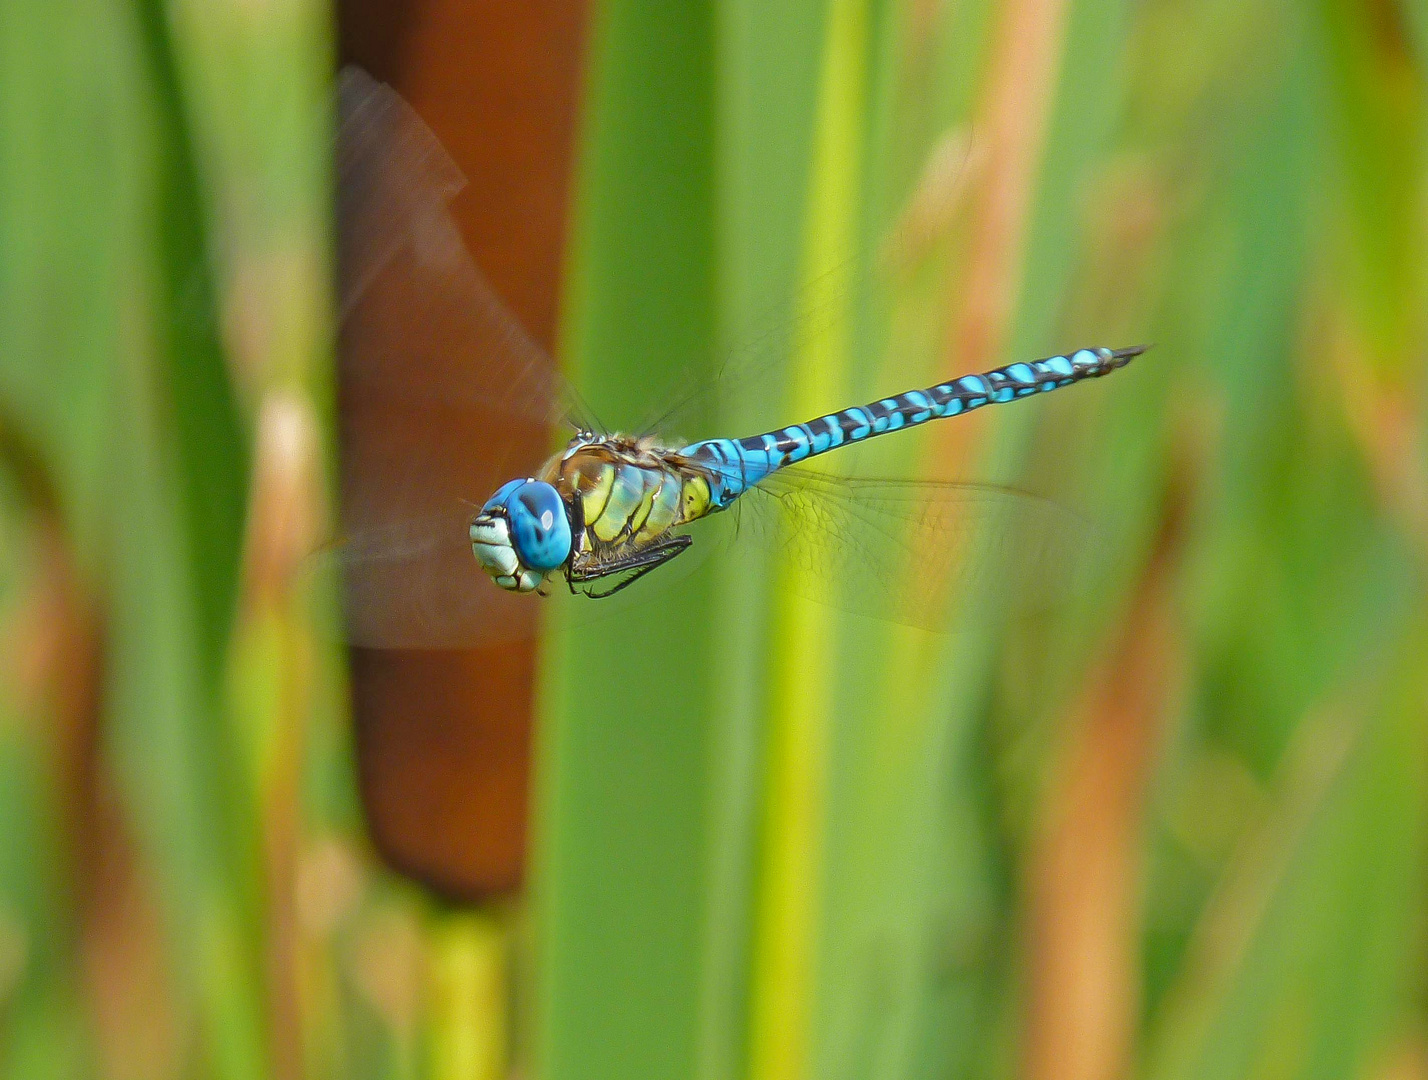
(418, 317)
(752, 373)
(413, 584)
(443, 397)
(906, 550)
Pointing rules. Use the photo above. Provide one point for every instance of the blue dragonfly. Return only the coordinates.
(426, 566)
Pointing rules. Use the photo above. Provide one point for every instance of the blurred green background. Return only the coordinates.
(1174, 828)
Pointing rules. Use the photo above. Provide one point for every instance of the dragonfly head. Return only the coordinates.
(521, 534)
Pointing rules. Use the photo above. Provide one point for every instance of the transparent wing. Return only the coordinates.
(443, 397)
(853, 301)
(418, 318)
(857, 299)
(754, 371)
(413, 584)
(904, 550)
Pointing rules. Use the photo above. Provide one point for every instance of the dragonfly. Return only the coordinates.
(424, 567)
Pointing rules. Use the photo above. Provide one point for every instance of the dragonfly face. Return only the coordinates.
(521, 535)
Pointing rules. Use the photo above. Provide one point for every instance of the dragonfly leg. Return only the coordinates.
(641, 562)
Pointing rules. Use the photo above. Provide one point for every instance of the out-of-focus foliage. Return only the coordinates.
(1171, 828)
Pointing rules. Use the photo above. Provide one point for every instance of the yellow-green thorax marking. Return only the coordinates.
(625, 493)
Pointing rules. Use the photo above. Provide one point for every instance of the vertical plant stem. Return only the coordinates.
(1085, 879)
(801, 698)
(274, 655)
(1012, 117)
(469, 989)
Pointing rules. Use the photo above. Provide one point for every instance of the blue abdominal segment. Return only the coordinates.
(735, 465)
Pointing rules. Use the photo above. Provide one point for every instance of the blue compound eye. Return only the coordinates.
(502, 495)
(539, 528)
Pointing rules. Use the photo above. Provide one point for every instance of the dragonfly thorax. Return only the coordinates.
(626, 493)
(522, 534)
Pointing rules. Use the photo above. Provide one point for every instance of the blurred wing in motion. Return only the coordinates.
(903, 550)
(407, 281)
(413, 584)
(443, 395)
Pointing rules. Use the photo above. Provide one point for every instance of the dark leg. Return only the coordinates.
(641, 562)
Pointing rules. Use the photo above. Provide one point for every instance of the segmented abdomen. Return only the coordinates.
(738, 464)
